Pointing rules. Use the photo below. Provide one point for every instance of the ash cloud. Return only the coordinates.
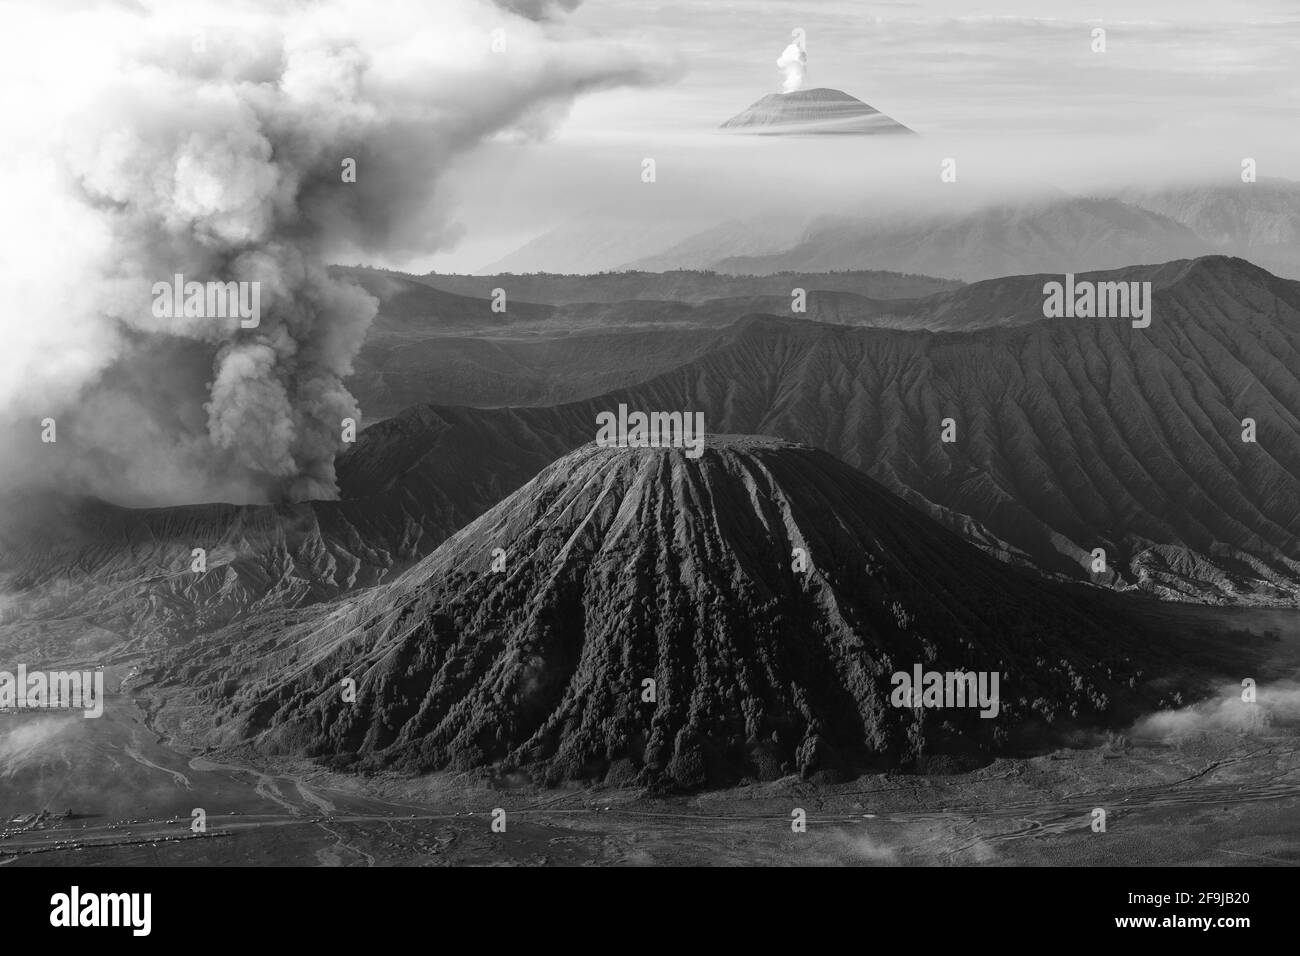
(207, 140)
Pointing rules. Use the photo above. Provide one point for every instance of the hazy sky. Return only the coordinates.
(1222, 76)
(941, 66)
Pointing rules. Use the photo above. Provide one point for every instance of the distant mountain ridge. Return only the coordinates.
(437, 338)
(1075, 434)
(1055, 235)
(1259, 222)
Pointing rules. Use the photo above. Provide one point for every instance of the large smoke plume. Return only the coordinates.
(208, 140)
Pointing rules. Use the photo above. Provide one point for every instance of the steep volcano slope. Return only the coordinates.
(1073, 434)
(630, 564)
(816, 111)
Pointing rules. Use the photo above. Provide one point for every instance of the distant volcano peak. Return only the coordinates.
(816, 111)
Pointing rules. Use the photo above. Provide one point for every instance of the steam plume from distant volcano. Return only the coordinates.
(793, 62)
